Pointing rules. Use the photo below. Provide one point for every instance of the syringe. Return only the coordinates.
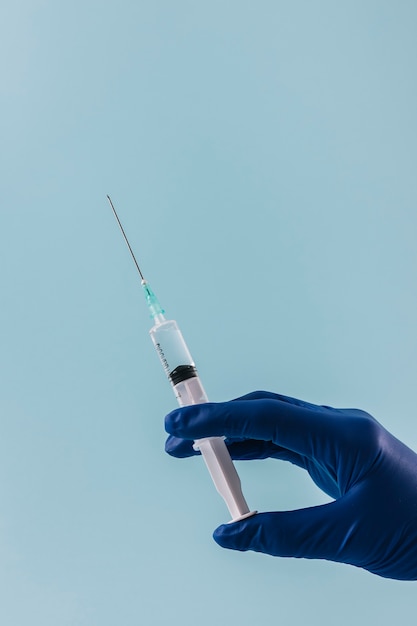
(182, 374)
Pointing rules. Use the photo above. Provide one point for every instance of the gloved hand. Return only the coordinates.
(372, 522)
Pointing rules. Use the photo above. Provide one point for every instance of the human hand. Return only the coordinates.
(372, 476)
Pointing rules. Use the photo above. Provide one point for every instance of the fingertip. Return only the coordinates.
(196, 421)
(179, 448)
(171, 421)
(185, 421)
(236, 535)
(223, 537)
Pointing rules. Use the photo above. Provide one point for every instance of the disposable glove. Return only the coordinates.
(371, 475)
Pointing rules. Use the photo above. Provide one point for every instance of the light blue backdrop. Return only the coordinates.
(262, 157)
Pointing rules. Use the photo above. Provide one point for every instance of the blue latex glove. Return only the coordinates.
(372, 522)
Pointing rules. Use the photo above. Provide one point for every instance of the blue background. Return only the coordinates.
(262, 157)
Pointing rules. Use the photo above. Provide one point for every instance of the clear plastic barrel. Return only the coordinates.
(170, 346)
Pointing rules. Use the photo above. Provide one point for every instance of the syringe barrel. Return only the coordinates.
(177, 363)
(182, 373)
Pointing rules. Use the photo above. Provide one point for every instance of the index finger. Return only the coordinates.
(303, 428)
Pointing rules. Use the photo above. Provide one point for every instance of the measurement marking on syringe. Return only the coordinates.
(162, 357)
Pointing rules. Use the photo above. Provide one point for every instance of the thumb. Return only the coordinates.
(320, 532)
